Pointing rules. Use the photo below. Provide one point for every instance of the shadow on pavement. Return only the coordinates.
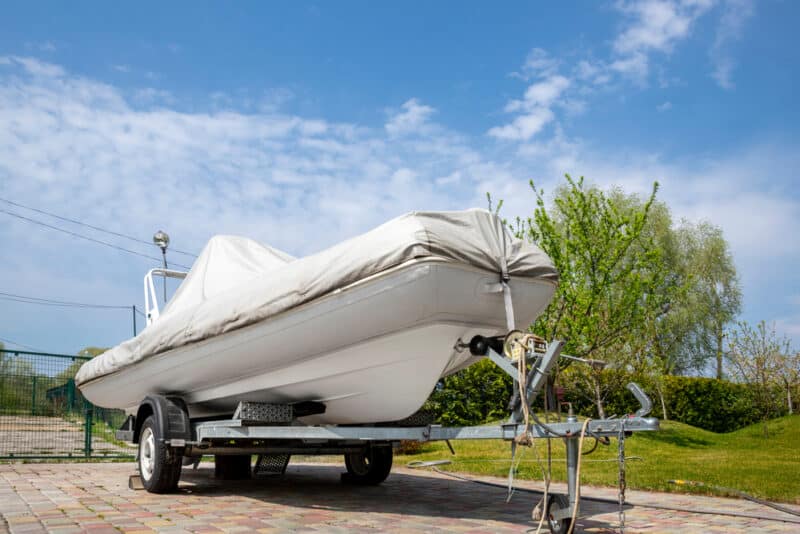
(317, 487)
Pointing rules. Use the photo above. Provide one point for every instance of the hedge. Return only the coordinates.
(480, 393)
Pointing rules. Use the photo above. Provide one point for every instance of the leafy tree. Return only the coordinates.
(635, 291)
(788, 373)
(612, 276)
(69, 372)
(756, 355)
(715, 297)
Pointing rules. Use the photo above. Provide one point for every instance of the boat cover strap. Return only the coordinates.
(504, 279)
(509, 307)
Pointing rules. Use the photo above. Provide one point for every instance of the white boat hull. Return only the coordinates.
(371, 352)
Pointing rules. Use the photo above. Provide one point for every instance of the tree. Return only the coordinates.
(715, 297)
(611, 272)
(704, 296)
(756, 355)
(69, 372)
(789, 374)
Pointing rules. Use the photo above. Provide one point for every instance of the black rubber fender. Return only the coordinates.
(170, 415)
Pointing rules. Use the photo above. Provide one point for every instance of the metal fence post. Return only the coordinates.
(70, 395)
(33, 396)
(87, 431)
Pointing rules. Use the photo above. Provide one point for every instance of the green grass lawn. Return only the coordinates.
(745, 460)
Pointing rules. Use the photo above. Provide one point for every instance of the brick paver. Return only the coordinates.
(95, 498)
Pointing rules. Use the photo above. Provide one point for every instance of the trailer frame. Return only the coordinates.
(274, 433)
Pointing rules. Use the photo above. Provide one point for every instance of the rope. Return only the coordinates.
(700, 511)
(578, 476)
(621, 478)
(541, 507)
(740, 493)
(522, 381)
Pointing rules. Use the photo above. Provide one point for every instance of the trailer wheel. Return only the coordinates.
(556, 503)
(369, 467)
(159, 467)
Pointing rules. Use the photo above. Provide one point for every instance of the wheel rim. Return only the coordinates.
(147, 452)
(555, 524)
(359, 463)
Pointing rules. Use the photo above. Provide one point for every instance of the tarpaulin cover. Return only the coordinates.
(236, 282)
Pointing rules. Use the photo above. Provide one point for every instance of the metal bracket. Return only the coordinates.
(641, 396)
(537, 378)
(503, 363)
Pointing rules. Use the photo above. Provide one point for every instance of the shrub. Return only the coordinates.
(471, 396)
(480, 394)
(708, 403)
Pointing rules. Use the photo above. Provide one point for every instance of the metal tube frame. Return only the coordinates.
(151, 309)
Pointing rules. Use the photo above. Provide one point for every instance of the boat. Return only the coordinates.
(363, 329)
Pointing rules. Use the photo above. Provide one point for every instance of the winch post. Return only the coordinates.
(572, 464)
(537, 377)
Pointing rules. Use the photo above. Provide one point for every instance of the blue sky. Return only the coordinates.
(301, 124)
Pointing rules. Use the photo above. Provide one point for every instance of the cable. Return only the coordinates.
(52, 302)
(73, 221)
(506, 460)
(740, 493)
(614, 501)
(20, 345)
(98, 241)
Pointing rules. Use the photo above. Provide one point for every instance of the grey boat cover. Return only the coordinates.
(236, 282)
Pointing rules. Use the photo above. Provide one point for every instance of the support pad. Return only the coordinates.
(270, 465)
(263, 412)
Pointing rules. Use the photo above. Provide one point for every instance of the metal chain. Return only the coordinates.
(622, 482)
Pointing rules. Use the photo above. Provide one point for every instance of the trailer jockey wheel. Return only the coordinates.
(159, 466)
(368, 467)
(557, 503)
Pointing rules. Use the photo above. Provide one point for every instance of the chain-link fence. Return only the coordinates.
(43, 414)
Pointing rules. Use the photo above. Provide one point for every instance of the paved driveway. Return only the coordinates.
(95, 497)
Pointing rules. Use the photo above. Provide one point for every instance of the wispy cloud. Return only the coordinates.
(535, 108)
(730, 29)
(44, 46)
(410, 119)
(652, 26)
(538, 63)
(78, 146)
(556, 86)
(664, 106)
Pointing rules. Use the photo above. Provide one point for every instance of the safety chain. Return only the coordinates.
(622, 482)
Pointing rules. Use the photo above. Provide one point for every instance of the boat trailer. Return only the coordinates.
(167, 438)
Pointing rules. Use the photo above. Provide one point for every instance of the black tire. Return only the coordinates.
(369, 467)
(232, 467)
(557, 501)
(159, 466)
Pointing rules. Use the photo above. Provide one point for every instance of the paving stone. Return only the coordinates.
(95, 498)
